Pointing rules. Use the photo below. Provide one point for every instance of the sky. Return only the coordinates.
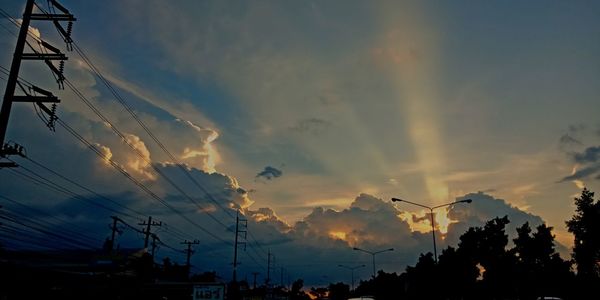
(309, 116)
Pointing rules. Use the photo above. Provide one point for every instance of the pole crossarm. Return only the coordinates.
(53, 17)
(44, 56)
(36, 99)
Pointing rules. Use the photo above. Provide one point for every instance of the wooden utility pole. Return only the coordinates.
(255, 274)
(115, 230)
(189, 252)
(154, 238)
(146, 231)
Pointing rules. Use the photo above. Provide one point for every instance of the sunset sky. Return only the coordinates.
(311, 115)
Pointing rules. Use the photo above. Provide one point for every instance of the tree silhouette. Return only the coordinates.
(541, 271)
(459, 272)
(482, 267)
(585, 226)
(420, 277)
(339, 291)
(296, 293)
(383, 287)
(487, 247)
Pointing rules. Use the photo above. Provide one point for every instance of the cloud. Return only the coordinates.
(214, 187)
(368, 221)
(265, 215)
(199, 151)
(313, 126)
(485, 207)
(269, 173)
(568, 140)
(588, 165)
(139, 165)
(589, 155)
(583, 173)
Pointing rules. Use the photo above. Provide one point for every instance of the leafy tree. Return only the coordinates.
(296, 293)
(585, 226)
(487, 247)
(541, 271)
(420, 277)
(339, 291)
(383, 287)
(459, 273)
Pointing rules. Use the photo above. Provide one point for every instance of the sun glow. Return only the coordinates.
(340, 235)
(442, 221)
(421, 221)
(410, 53)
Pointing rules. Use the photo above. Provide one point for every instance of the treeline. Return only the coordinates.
(485, 265)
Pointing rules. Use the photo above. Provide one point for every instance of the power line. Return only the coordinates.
(40, 228)
(129, 109)
(142, 124)
(85, 188)
(39, 179)
(125, 140)
(47, 215)
(134, 180)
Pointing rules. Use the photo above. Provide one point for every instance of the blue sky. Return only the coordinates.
(422, 100)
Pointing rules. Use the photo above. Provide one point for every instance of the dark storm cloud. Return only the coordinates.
(584, 173)
(269, 173)
(589, 155)
(589, 159)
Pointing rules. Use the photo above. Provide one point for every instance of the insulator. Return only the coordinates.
(53, 118)
(69, 29)
(61, 67)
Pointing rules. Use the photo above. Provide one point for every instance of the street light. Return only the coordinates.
(373, 253)
(352, 270)
(432, 220)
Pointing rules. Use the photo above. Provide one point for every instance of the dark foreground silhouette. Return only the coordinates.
(484, 265)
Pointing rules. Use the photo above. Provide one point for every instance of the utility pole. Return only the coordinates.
(268, 281)
(154, 238)
(189, 252)
(235, 246)
(147, 232)
(33, 94)
(254, 274)
(114, 229)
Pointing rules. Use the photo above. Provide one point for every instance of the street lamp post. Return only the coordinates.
(373, 254)
(352, 271)
(431, 214)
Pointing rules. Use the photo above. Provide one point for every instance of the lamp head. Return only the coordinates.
(466, 201)
(396, 200)
(355, 248)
